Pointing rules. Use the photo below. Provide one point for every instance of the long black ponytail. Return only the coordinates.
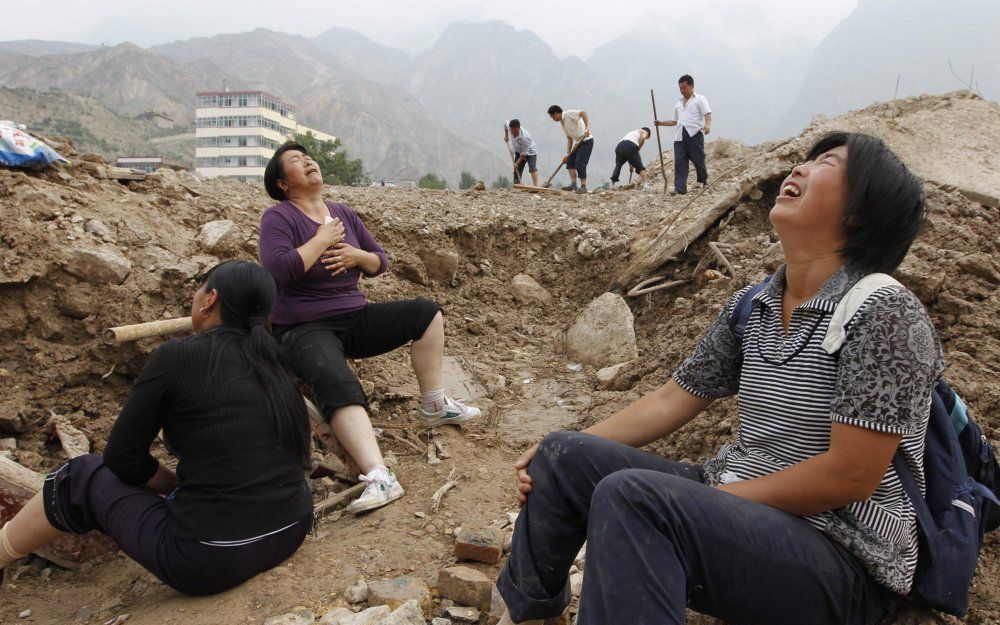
(246, 296)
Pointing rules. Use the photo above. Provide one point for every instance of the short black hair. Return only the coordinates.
(515, 123)
(555, 108)
(648, 131)
(885, 201)
(686, 78)
(275, 170)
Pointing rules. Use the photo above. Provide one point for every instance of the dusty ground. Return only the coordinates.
(51, 357)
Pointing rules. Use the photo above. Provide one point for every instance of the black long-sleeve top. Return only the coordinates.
(234, 479)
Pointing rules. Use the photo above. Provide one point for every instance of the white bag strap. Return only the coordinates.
(849, 305)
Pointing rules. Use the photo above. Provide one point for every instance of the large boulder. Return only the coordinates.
(98, 266)
(526, 290)
(603, 334)
(219, 236)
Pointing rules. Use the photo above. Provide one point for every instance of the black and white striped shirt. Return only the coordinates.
(790, 391)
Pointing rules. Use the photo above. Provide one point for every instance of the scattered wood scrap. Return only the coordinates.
(332, 502)
(439, 494)
(74, 442)
(532, 189)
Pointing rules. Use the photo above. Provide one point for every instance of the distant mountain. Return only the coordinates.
(393, 134)
(126, 78)
(859, 60)
(371, 60)
(741, 88)
(94, 127)
(39, 47)
(476, 76)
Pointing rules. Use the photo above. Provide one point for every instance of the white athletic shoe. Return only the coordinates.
(454, 411)
(382, 489)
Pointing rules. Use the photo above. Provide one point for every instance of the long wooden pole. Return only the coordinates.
(136, 331)
(659, 145)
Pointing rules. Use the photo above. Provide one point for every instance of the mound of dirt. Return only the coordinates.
(81, 252)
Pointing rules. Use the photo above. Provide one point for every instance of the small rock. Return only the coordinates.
(462, 614)
(298, 616)
(219, 236)
(615, 377)
(396, 592)
(474, 327)
(410, 613)
(508, 542)
(24, 614)
(357, 592)
(97, 228)
(8, 443)
(478, 186)
(481, 544)
(581, 557)
(497, 608)
(440, 621)
(12, 423)
(98, 266)
(604, 333)
(415, 272)
(344, 616)
(526, 290)
(466, 586)
(576, 584)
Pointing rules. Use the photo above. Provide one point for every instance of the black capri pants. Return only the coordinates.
(580, 157)
(626, 152)
(319, 349)
(84, 495)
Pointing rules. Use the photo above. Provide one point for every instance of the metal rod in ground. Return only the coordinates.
(659, 146)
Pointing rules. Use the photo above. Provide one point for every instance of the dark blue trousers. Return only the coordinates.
(689, 148)
(658, 541)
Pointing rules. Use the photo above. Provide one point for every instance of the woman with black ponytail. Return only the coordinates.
(238, 503)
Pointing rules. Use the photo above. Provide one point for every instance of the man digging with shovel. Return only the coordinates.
(523, 151)
(576, 125)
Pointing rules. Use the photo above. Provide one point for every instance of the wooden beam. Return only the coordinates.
(532, 189)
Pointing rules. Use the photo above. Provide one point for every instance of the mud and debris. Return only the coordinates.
(81, 252)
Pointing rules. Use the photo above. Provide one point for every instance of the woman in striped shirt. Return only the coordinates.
(801, 519)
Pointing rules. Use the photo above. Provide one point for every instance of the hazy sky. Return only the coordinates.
(570, 27)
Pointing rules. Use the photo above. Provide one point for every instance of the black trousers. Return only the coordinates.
(692, 148)
(580, 157)
(659, 540)
(319, 350)
(84, 495)
(626, 152)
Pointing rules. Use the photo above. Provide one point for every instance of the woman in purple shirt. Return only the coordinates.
(316, 251)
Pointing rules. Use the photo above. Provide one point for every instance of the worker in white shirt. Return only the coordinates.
(627, 151)
(525, 150)
(693, 118)
(576, 125)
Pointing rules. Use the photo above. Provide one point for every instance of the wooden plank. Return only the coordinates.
(18, 484)
(532, 189)
(329, 504)
(74, 442)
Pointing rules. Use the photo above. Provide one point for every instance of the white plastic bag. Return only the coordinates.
(19, 149)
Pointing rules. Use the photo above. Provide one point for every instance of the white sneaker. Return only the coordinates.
(382, 489)
(454, 411)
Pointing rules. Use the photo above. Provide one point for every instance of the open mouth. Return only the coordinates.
(791, 190)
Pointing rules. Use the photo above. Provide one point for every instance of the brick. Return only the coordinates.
(466, 586)
(396, 592)
(482, 544)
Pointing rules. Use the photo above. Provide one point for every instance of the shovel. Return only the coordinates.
(548, 183)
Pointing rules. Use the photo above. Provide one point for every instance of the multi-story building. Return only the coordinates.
(147, 164)
(238, 132)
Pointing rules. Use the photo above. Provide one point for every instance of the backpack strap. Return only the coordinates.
(741, 312)
(848, 306)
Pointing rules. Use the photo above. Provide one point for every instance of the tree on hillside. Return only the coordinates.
(502, 182)
(432, 181)
(336, 167)
(467, 180)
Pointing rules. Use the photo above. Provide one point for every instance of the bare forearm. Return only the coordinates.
(370, 263)
(310, 251)
(569, 145)
(163, 481)
(669, 122)
(812, 486)
(652, 417)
